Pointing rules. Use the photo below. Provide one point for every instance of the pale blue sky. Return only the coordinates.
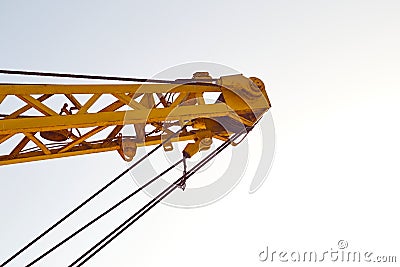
(332, 74)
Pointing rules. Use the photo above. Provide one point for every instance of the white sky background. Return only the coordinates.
(332, 74)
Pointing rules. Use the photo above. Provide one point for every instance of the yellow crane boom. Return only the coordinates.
(45, 121)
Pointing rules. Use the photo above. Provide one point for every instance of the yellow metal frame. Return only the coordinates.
(131, 104)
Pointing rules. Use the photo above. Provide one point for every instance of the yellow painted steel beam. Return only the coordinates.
(81, 139)
(88, 104)
(81, 150)
(2, 97)
(47, 123)
(74, 100)
(25, 108)
(4, 138)
(38, 89)
(37, 105)
(39, 155)
(38, 143)
(129, 101)
(18, 148)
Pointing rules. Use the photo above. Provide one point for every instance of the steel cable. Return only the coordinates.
(100, 77)
(103, 214)
(89, 199)
(137, 215)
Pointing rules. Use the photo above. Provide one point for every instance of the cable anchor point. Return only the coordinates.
(182, 182)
